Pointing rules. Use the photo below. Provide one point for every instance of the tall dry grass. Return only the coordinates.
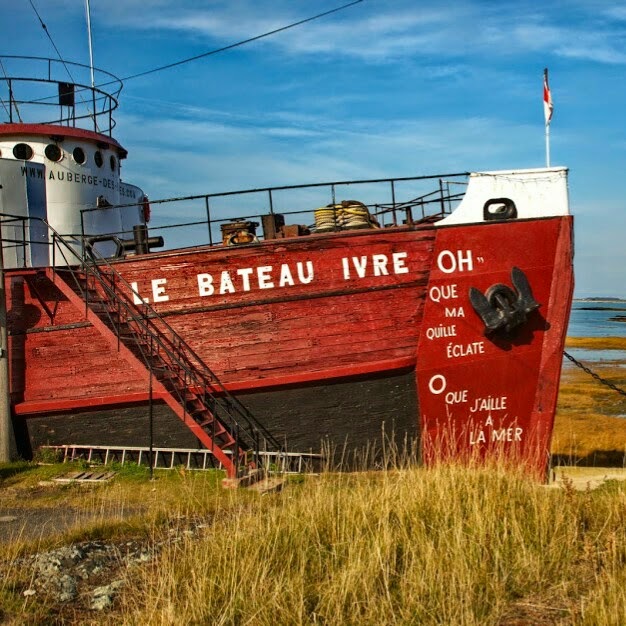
(411, 546)
(590, 428)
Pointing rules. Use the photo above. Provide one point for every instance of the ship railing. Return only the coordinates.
(18, 224)
(33, 87)
(429, 206)
(390, 201)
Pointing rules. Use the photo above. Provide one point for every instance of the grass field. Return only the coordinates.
(449, 545)
(409, 546)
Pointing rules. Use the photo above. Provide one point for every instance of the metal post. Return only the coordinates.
(151, 426)
(11, 101)
(208, 218)
(93, 81)
(393, 203)
(23, 245)
(7, 436)
(332, 187)
(119, 322)
(83, 252)
(236, 451)
(443, 206)
(140, 238)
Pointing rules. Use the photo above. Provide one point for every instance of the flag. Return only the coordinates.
(547, 98)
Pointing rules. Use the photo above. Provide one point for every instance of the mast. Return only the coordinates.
(93, 82)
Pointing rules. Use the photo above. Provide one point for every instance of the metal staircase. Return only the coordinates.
(221, 423)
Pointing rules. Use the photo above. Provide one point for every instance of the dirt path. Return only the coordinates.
(31, 524)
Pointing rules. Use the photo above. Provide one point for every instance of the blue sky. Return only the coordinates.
(384, 88)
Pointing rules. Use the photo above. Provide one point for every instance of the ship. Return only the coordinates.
(424, 313)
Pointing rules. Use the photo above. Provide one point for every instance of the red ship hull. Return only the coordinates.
(329, 338)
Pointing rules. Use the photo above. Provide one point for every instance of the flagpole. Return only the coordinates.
(547, 111)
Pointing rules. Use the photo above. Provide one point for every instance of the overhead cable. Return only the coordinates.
(240, 43)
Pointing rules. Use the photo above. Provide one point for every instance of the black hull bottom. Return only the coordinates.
(350, 421)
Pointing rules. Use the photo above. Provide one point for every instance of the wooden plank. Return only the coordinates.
(181, 279)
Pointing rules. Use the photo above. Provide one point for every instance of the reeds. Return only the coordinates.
(403, 545)
(479, 545)
(442, 546)
(590, 428)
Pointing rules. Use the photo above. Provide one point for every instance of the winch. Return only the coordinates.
(238, 233)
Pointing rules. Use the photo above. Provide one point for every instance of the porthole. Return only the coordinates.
(22, 152)
(113, 162)
(97, 157)
(53, 152)
(79, 155)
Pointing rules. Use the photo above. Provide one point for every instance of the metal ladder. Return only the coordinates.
(172, 458)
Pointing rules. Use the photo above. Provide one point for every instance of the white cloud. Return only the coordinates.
(198, 157)
(615, 12)
(385, 88)
(384, 32)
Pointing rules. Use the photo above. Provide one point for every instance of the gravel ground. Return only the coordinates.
(583, 478)
(81, 578)
(43, 522)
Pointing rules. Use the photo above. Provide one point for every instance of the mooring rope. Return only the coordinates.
(345, 215)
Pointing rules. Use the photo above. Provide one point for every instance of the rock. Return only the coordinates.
(102, 597)
(144, 557)
(67, 588)
(68, 574)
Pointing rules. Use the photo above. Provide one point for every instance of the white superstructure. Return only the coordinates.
(62, 171)
(530, 193)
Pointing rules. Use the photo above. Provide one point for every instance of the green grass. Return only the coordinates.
(129, 505)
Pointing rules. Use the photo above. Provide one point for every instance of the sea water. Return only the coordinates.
(594, 319)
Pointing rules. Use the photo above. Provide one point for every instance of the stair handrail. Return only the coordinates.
(183, 356)
(205, 380)
(181, 349)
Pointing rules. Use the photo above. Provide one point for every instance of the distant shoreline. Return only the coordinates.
(601, 308)
(601, 300)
